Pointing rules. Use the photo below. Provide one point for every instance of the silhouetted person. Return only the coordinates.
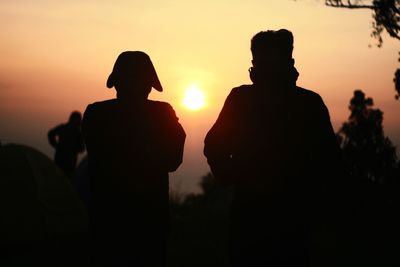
(68, 142)
(132, 144)
(274, 143)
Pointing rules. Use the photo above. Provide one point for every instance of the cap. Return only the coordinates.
(136, 64)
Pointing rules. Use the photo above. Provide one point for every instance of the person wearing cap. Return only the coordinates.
(132, 144)
(273, 142)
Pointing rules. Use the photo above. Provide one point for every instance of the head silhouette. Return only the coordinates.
(75, 119)
(133, 76)
(272, 54)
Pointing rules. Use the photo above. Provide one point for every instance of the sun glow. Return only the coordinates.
(194, 98)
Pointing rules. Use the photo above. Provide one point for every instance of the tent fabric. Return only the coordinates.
(37, 201)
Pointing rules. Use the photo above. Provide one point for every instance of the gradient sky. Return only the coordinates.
(56, 57)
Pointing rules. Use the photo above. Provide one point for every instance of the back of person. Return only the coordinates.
(272, 138)
(273, 142)
(275, 163)
(68, 142)
(132, 144)
(130, 149)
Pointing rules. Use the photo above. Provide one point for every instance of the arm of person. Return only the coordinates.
(88, 121)
(84, 126)
(170, 140)
(52, 136)
(218, 142)
(326, 146)
(328, 161)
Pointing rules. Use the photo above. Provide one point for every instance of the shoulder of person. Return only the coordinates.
(239, 93)
(313, 103)
(101, 106)
(240, 90)
(309, 95)
(162, 106)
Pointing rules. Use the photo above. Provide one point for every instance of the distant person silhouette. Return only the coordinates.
(68, 142)
(274, 143)
(132, 144)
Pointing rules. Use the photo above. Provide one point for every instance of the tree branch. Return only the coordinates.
(340, 4)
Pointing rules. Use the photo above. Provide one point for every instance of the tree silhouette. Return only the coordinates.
(368, 153)
(386, 17)
(397, 83)
(371, 229)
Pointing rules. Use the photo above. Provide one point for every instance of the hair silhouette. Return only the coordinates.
(132, 144)
(274, 144)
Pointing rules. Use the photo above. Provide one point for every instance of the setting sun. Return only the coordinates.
(194, 98)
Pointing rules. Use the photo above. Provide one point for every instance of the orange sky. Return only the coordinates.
(56, 57)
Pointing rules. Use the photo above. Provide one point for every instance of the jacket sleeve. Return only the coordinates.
(326, 147)
(87, 134)
(329, 167)
(218, 145)
(170, 140)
